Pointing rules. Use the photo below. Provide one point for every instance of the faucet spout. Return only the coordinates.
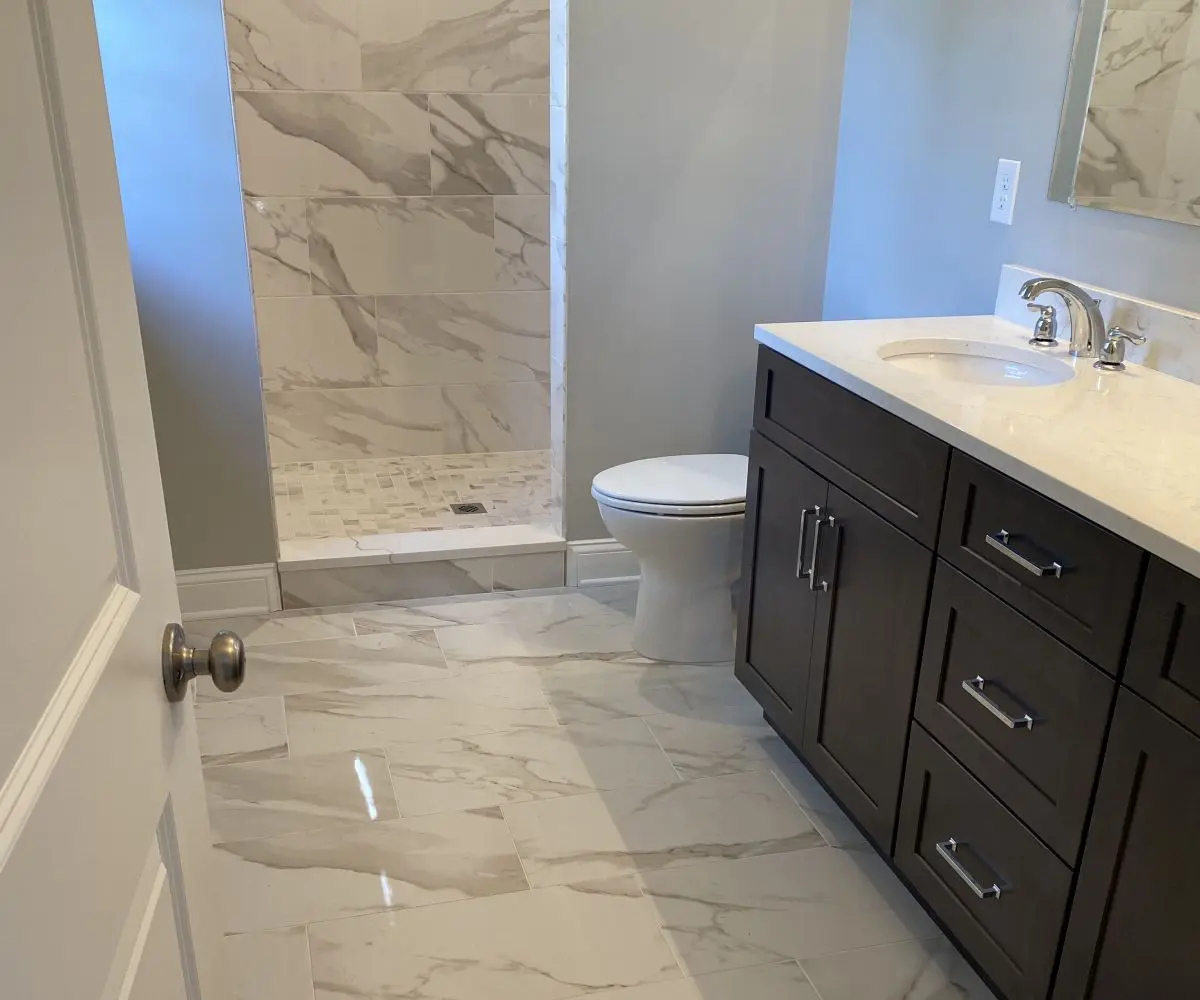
(1087, 322)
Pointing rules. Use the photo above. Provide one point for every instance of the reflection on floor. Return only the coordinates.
(375, 496)
(496, 799)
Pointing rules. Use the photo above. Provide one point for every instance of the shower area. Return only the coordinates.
(396, 166)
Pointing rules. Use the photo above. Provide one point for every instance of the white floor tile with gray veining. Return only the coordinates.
(497, 799)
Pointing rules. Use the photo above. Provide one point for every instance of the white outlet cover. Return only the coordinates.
(1004, 196)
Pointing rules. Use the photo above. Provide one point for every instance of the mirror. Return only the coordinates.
(1130, 134)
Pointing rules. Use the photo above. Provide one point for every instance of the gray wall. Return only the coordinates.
(702, 145)
(167, 79)
(935, 92)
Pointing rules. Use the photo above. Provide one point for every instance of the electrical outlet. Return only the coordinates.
(1004, 198)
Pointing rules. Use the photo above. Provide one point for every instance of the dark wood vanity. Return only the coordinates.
(1004, 695)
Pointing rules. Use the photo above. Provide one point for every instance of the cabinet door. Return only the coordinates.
(866, 647)
(1132, 930)
(778, 607)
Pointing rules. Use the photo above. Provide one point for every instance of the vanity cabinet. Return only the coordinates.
(1002, 694)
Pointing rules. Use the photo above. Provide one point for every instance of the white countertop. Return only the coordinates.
(1122, 449)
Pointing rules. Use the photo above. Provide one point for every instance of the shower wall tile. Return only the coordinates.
(559, 52)
(497, 416)
(1124, 153)
(318, 342)
(299, 143)
(277, 235)
(558, 173)
(318, 424)
(1142, 54)
(471, 46)
(446, 339)
(490, 144)
(293, 44)
(390, 245)
(522, 242)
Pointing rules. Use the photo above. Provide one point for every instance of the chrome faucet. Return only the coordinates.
(1087, 322)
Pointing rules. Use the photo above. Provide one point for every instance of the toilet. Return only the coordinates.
(682, 517)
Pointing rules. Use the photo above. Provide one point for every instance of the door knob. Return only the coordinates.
(224, 661)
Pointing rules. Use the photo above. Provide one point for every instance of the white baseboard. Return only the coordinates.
(228, 591)
(595, 561)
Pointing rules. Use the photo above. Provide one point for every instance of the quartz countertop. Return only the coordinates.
(1120, 448)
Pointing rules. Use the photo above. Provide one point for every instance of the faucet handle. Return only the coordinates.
(1045, 330)
(1112, 353)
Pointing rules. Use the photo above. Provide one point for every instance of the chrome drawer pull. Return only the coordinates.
(948, 850)
(976, 688)
(812, 567)
(1002, 541)
(801, 572)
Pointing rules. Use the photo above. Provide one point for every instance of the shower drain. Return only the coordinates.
(468, 508)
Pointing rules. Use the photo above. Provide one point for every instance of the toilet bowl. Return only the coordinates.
(682, 518)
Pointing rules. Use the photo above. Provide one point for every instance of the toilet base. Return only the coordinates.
(683, 622)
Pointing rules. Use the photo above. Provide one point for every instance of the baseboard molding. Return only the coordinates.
(228, 591)
(595, 561)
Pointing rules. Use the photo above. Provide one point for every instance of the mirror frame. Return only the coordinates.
(1084, 56)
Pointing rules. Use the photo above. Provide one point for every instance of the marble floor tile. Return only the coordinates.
(236, 731)
(638, 829)
(422, 710)
(909, 970)
(267, 630)
(525, 764)
(765, 982)
(590, 691)
(753, 911)
(335, 664)
(365, 867)
(547, 944)
(809, 794)
(268, 965)
(273, 797)
(564, 636)
(705, 748)
(536, 613)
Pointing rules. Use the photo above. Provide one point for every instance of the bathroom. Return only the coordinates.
(683, 501)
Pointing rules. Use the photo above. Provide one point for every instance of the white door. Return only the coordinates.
(102, 824)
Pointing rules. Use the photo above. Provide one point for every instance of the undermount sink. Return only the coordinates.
(976, 361)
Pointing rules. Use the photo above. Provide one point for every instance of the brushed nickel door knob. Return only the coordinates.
(224, 661)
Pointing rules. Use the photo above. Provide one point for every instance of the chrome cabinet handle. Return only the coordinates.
(976, 688)
(816, 554)
(801, 572)
(1002, 542)
(948, 850)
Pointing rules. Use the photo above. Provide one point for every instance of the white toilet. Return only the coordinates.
(682, 517)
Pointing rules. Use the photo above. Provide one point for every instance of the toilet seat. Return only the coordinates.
(676, 486)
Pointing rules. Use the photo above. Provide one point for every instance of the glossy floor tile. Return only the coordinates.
(266, 630)
(637, 829)
(272, 797)
(541, 945)
(360, 868)
(525, 764)
(496, 798)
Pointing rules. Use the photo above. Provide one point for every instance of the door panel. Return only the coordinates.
(864, 664)
(90, 750)
(778, 606)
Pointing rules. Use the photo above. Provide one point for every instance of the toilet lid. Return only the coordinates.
(710, 481)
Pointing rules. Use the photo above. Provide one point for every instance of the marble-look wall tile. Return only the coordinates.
(1124, 153)
(316, 588)
(522, 242)
(303, 143)
(1181, 169)
(490, 144)
(293, 44)
(469, 46)
(559, 52)
(558, 173)
(393, 245)
(497, 416)
(277, 235)
(1142, 54)
(445, 339)
(316, 424)
(318, 342)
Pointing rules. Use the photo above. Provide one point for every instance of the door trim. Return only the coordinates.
(24, 784)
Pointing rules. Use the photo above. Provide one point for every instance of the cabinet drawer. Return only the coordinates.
(1063, 571)
(995, 886)
(1164, 656)
(1024, 713)
(887, 464)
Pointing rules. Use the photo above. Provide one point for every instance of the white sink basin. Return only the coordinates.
(976, 361)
